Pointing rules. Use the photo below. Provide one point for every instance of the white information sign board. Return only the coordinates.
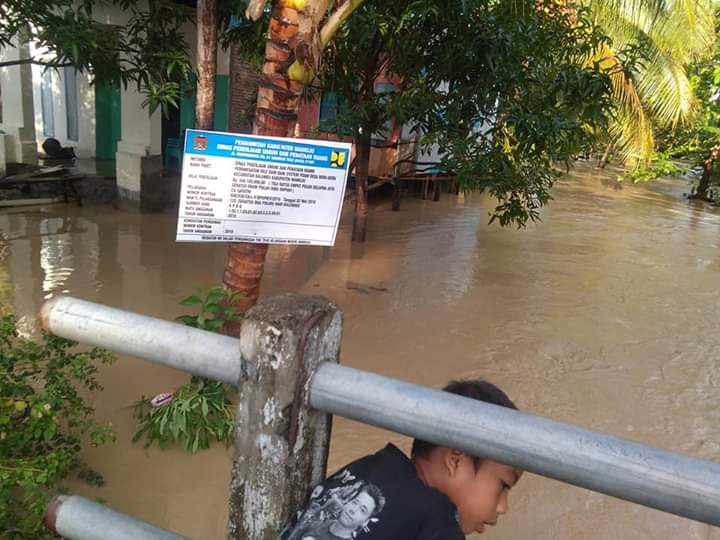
(270, 190)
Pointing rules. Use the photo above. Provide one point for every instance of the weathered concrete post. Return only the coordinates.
(281, 445)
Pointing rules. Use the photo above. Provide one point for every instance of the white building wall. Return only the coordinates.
(190, 32)
(140, 129)
(12, 104)
(37, 101)
(106, 13)
(84, 145)
(17, 108)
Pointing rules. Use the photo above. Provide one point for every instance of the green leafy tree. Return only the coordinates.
(507, 90)
(461, 66)
(362, 51)
(149, 50)
(44, 419)
(650, 45)
(699, 142)
(524, 75)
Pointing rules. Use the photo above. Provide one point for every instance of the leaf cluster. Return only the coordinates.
(695, 140)
(149, 50)
(506, 90)
(217, 308)
(200, 411)
(661, 166)
(44, 419)
(363, 52)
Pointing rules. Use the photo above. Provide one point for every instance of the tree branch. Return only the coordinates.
(13, 469)
(25, 61)
(336, 19)
(255, 9)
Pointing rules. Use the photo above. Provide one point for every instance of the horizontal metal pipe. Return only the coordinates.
(77, 518)
(652, 477)
(656, 478)
(196, 351)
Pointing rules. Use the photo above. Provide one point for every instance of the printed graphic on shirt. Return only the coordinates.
(338, 513)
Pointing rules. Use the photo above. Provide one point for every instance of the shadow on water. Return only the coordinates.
(603, 315)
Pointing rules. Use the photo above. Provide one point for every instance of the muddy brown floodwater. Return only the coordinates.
(605, 315)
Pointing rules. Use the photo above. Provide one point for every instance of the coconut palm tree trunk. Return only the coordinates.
(275, 115)
(245, 262)
(291, 41)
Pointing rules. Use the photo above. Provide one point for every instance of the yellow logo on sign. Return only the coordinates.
(337, 159)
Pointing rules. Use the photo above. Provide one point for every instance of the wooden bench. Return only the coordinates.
(52, 175)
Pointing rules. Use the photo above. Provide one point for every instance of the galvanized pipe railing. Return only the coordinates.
(649, 476)
(80, 519)
(171, 344)
(652, 477)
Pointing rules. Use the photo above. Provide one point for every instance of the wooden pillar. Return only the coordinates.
(396, 194)
(281, 445)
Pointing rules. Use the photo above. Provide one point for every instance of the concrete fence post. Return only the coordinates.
(281, 444)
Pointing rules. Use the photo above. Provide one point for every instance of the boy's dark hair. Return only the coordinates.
(473, 389)
(377, 496)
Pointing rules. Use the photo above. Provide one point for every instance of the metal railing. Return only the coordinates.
(80, 519)
(656, 478)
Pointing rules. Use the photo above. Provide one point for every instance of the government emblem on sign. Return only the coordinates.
(200, 142)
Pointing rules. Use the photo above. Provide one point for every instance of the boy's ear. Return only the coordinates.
(451, 460)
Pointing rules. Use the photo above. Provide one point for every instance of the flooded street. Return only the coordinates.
(605, 315)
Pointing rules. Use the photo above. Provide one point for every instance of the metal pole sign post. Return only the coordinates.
(269, 190)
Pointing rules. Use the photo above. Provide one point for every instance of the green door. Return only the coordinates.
(107, 119)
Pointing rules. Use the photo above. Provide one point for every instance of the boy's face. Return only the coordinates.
(481, 495)
(357, 511)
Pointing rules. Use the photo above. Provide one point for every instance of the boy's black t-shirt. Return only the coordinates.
(378, 497)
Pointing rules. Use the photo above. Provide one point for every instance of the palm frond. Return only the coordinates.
(632, 136)
(665, 88)
(631, 129)
(670, 34)
(683, 28)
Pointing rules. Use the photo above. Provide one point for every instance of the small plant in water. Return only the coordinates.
(661, 166)
(44, 418)
(200, 411)
(216, 309)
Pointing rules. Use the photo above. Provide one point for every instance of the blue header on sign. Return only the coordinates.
(287, 151)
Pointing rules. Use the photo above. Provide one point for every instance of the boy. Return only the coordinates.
(439, 494)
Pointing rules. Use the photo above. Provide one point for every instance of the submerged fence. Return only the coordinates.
(285, 367)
